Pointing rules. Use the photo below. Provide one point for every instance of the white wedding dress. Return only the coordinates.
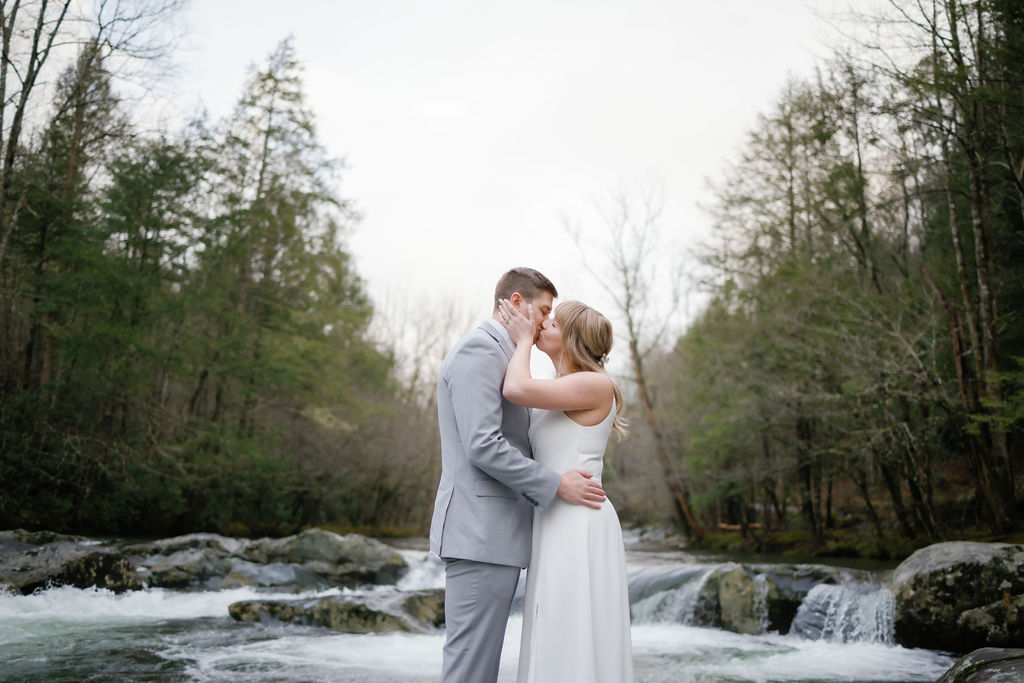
(576, 613)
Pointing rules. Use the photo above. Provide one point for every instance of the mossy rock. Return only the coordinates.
(419, 611)
(960, 595)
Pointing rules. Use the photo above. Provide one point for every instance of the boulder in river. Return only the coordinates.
(741, 601)
(412, 612)
(63, 563)
(987, 665)
(311, 560)
(425, 607)
(333, 613)
(759, 598)
(22, 539)
(215, 544)
(276, 575)
(347, 560)
(191, 561)
(960, 595)
(729, 597)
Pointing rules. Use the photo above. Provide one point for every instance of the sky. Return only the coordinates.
(473, 130)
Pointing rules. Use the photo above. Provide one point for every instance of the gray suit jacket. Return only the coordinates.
(489, 480)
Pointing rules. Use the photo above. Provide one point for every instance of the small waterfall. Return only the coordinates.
(761, 601)
(847, 613)
(676, 605)
(646, 581)
(426, 570)
(853, 610)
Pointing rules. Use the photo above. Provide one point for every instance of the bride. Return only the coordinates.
(576, 614)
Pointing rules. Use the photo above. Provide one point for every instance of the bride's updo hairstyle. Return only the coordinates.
(586, 341)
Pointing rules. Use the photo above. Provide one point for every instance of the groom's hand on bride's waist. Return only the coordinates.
(579, 488)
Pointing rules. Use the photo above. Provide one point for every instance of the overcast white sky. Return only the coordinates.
(471, 128)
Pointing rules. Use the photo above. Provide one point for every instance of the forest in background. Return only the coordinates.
(860, 361)
(185, 338)
(187, 344)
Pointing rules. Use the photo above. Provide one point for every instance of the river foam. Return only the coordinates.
(67, 634)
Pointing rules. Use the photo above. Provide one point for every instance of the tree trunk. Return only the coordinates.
(805, 474)
(922, 513)
(830, 522)
(995, 470)
(861, 480)
(676, 484)
(892, 483)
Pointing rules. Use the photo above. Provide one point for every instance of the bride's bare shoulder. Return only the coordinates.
(591, 379)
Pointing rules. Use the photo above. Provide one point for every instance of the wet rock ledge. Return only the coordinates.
(32, 560)
(413, 611)
(312, 560)
(987, 665)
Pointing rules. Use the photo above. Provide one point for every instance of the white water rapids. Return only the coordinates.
(68, 634)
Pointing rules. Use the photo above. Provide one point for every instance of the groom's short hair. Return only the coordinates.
(527, 281)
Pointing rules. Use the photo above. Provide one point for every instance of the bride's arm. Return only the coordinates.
(575, 391)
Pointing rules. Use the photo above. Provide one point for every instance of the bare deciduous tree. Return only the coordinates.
(634, 262)
(417, 331)
(34, 35)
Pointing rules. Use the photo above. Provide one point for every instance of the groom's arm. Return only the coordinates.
(474, 382)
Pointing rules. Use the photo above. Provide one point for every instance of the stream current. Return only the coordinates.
(841, 632)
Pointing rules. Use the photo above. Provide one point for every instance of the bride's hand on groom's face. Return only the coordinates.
(522, 329)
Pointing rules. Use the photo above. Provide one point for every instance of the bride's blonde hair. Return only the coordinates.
(586, 341)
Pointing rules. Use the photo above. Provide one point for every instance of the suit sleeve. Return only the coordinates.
(475, 382)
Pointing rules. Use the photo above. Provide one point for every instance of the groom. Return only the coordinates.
(490, 484)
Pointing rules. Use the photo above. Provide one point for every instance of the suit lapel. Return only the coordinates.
(498, 334)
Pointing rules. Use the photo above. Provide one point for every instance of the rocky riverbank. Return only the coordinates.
(314, 560)
(955, 596)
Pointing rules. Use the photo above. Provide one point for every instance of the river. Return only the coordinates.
(842, 632)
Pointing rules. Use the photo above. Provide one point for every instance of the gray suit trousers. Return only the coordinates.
(478, 596)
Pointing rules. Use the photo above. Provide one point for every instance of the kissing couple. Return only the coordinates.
(521, 462)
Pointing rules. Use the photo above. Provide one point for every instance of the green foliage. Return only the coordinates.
(849, 362)
(190, 333)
